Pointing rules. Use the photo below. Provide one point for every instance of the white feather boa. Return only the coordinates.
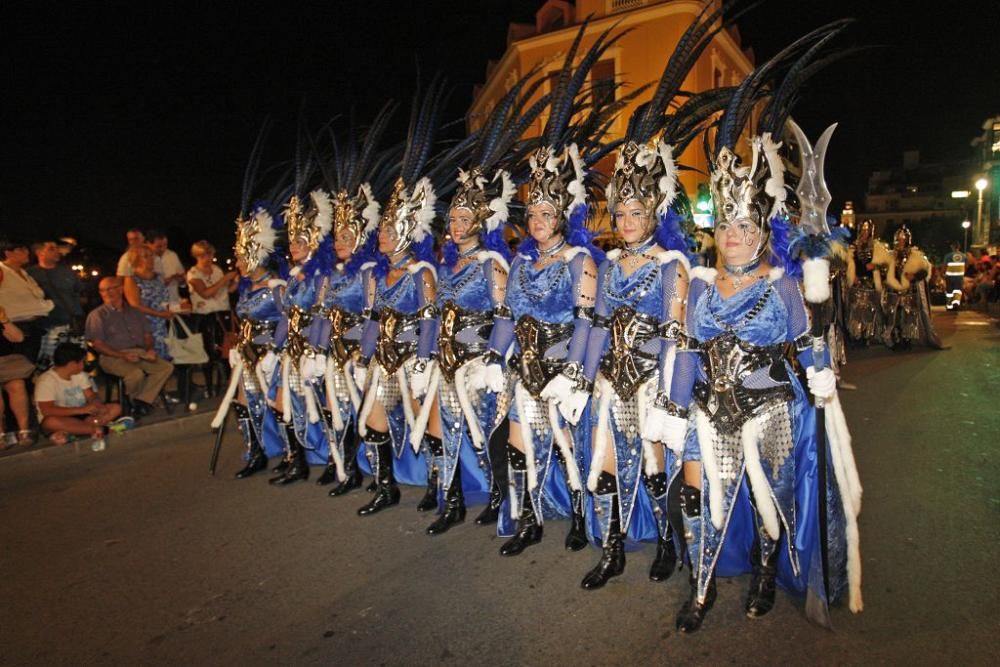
(423, 199)
(576, 187)
(499, 205)
(234, 384)
(668, 182)
(366, 405)
(526, 439)
(324, 211)
(471, 419)
(816, 279)
(419, 426)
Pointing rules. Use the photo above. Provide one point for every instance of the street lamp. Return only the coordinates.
(965, 225)
(980, 185)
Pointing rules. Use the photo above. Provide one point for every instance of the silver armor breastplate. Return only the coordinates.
(625, 364)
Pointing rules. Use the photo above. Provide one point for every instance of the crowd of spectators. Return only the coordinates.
(981, 284)
(51, 349)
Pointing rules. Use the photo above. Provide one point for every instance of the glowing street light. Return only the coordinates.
(965, 225)
(980, 185)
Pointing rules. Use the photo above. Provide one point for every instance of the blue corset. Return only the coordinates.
(401, 297)
(467, 288)
(769, 327)
(546, 294)
(345, 291)
(258, 304)
(301, 293)
(641, 290)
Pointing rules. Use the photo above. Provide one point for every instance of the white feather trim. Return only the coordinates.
(846, 473)
(404, 390)
(286, 392)
(352, 388)
(423, 194)
(527, 441)
(612, 255)
(324, 211)
(266, 234)
(642, 405)
(775, 274)
(573, 251)
(276, 282)
(417, 266)
(704, 274)
(331, 397)
(750, 437)
(485, 255)
(668, 182)
(420, 425)
(816, 279)
(368, 403)
(601, 442)
(668, 256)
(471, 419)
(572, 471)
(371, 210)
(312, 410)
(234, 384)
(367, 265)
(775, 185)
(576, 187)
(499, 204)
(710, 467)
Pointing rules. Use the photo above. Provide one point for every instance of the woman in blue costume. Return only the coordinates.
(292, 390)
(749, 495)
(257, 308)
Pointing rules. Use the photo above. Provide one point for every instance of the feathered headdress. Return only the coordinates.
(256, 226)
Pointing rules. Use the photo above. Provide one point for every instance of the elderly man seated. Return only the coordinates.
(122, 337)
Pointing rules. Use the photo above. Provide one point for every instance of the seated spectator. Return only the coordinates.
(210, 289)
(168, 265)
(63, 287)
(145, 291)
(66, 400)
(121, 336)
(135, 239)
(21, 296)
(14, 369)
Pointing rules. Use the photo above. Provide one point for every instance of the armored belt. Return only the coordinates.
(473, 326)
(342, 321)
(730, 361)
(250, 330)
(393, 348)
(533, 339)
(626, 365)
(298, 322)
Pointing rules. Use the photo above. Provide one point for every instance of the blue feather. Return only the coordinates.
(449, 254)
(578, 234)
(323, 260)
(496, 242)
(670, 235)
(783, 235)
(365, 253)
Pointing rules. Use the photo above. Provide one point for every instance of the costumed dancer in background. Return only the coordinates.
(401, 311)
(905, 302)
(639, 314)
(310, 248)
(750, 418)
(866, 259)
(551, 291)
(359, 174)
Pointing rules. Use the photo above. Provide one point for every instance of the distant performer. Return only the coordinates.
(906, 305)
(867, 258)
(954, 277)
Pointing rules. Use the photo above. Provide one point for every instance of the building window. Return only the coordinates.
(716, 78)
(602, 79)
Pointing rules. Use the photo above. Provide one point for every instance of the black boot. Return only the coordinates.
(528, 529)
(297, 469)
(490, 513)
(612, 561)
(760, 598)
(430, 500)
(353, 473)
(693, 613)
(498, 474)
(258, 459)
(329, 475)
(665, 561)
(386, 491)
(454, 505)
(577, 537)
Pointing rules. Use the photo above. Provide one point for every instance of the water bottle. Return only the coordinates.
(99, 444)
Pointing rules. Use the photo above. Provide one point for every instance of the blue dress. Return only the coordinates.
(260, 308)
(153, 294)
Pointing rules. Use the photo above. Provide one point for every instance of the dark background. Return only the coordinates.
(118, 115)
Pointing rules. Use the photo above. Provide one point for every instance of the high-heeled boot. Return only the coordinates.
(353, 476)
(529, 530)
(612, 561)
(297, 469)
(257, 460)
(760, 598)
(491, 512)
(386, 490)
(694, 610)
(434, 451)
(665, 561)
(454, 505)
(576, 539)
(286, 459)
(329, 474)
(498, 474)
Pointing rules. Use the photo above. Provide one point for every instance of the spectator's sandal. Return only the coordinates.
(26, 438)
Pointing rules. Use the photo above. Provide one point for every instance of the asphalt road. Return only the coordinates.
(136, 556)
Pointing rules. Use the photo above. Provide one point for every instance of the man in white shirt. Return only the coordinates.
(65, 396)
(167, 264)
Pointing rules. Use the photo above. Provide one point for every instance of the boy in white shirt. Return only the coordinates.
(66, 400)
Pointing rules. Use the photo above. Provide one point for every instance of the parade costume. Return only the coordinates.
(358, 174)
(905, 301)
(637, 320)
(737, 407)
(867, 258)
(549, 309)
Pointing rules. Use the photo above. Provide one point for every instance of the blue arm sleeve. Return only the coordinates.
(428, 325)
(369, 327)
(668, 284)
(798, 321)
(688, 362)
(597, 341)
(584, 278)
(503, 327)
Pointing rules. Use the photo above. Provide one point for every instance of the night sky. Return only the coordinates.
(143, 114)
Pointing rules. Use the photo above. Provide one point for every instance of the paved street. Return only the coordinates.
(136, 556)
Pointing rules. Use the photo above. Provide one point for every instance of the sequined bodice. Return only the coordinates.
(401, 296)
(346, 291)
(258, 304)
(546, 294)
(467, 287)
(766, 325)
(640, 290)
(301, 293)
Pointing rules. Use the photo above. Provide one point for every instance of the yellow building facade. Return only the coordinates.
(638, 58)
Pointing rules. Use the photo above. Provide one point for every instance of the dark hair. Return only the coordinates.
(7, 245)
(155, 235)
(38, 245)
(67, 353)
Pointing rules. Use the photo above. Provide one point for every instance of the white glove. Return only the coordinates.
(822, 384)
(572, 406)
(494, 378)
(360, 375)
(318, 367)
(475, 377)
(558, 389)
(234, 357)
(673, 431)
(653, 425)
(420, 379)
(268, 363)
